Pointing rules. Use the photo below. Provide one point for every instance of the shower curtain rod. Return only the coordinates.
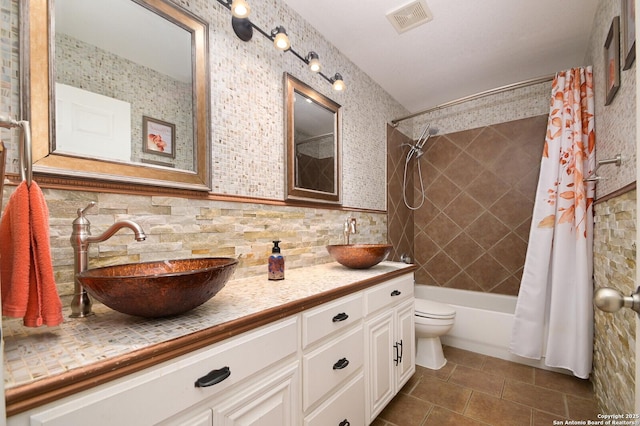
(495, 91)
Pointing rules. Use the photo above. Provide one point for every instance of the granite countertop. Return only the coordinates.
(87, 347)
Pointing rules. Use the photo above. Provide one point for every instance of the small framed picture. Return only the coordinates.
(612, 60)
(628, 33)
(158, 137)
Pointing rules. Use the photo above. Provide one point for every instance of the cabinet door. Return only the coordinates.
(331, 364)
(380, 379)
(405, 339)
(271, 401)
(203, 418)
(345, 406)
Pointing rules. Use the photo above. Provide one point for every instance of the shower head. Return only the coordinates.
(426, 134)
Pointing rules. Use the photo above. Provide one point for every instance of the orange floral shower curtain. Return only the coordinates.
(554, 312)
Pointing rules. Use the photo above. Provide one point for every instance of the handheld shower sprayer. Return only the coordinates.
(416, 151)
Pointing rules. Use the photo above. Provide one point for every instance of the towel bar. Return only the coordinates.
(593, 177)
(26, 170)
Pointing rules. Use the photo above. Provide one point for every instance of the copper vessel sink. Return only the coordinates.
(359, 256)
(158, 289)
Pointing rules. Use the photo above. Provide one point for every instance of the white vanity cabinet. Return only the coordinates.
(332, 363)
(337, 363)
(161, 392)
(389, 341)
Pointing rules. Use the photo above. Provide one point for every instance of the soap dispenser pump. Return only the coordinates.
(276, 263)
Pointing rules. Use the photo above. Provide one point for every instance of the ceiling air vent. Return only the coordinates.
(410, 16)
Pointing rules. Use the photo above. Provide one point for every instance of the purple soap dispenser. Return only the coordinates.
(276, 263)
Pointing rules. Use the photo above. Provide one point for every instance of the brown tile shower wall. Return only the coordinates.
(480, 184)
(316, 173)
(399, 218)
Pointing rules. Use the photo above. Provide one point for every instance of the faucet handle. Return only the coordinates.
(82, 211)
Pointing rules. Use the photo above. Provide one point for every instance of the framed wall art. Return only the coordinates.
(158, 137)
(628, 33)
(612, 61)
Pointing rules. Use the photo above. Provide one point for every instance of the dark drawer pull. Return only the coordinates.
(214, 377)
(340, 317)
(396, 293)
(342, 363)
(345, 422)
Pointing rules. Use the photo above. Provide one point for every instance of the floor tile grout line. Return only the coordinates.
(429, 411)
(566, 405)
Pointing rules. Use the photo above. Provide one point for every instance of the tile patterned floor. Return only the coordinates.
(474, 389)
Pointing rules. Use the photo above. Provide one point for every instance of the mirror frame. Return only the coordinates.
(37, 98)
(293, 85)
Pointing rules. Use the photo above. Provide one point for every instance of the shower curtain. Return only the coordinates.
(556, 289)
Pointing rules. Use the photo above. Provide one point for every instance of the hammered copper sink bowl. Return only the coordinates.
(359, 256)
(158, 289)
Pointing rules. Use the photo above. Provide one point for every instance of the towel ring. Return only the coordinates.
(26, 165)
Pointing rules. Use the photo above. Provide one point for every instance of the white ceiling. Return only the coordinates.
(469, 47)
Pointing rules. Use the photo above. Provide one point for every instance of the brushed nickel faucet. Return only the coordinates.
(80, 239)
(349, 228)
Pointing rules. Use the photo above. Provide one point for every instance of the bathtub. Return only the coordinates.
(483, 322)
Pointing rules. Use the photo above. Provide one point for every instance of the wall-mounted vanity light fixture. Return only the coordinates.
(280, 38)
(313, 60)
(338, 83)
(240, 9)
(243, 28)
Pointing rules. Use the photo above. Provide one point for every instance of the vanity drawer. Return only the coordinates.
(159, 392)
(346, 404)
(331, 364)
(388, 294)
(330, 317)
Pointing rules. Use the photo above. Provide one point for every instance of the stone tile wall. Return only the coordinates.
(182, 228)
(614, 266)
(616, 122)
(614, 239)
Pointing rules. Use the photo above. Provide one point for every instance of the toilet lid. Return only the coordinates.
(431, 309)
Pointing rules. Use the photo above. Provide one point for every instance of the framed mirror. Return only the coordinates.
(126, 102)
(312, 132)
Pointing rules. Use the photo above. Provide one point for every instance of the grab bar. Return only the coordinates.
(26, 171)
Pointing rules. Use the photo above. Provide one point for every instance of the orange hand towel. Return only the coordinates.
(28, 284)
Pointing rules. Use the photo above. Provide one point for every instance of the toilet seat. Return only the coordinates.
(430, 309)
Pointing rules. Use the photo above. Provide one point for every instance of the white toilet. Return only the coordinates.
(432, 320)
